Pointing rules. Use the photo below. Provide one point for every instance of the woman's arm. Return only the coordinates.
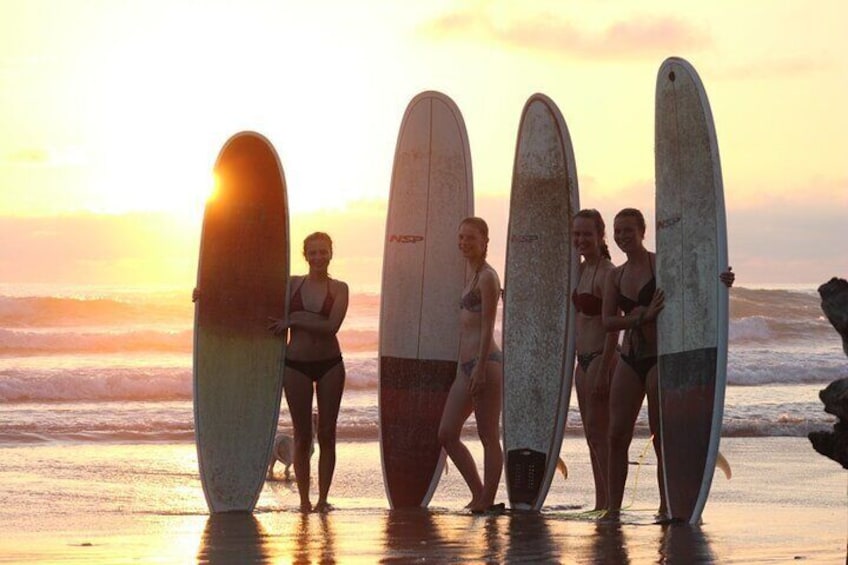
(614, 321)
(316, 324)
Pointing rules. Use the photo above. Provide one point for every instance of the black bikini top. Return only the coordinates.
(471, 300)
(586, 302)
(645, 294)
(296, 304)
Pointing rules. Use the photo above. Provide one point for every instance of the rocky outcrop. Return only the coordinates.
(834, 444)
(834, 295)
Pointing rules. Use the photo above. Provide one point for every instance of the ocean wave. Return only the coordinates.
(100, 384)
(24, 343)
(124, 424)
(756, 316)
(50, 342)
(95, 384)
(52, 311)
(765, 366)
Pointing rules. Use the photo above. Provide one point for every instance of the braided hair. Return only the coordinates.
(600, 227)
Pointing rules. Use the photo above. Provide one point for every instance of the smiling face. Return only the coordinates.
(628, 233)
(471, 242)
(585, 236)
(318, 254)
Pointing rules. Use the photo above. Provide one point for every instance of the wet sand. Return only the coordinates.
(143, 504)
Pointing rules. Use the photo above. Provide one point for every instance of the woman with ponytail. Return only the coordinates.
(596, 347)
(479, 381)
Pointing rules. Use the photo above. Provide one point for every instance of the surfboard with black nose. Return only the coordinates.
(691, 252)
(538, 326)
(423, 277)
(238, 363)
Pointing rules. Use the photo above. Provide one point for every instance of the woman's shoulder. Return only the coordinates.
(605, 266)
(338, 285)
(489, 274)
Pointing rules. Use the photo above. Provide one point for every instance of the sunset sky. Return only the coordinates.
(113, 112)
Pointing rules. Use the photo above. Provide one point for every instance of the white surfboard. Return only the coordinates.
(242, 276)
(423, 277)
(691, 252)
(538, 326)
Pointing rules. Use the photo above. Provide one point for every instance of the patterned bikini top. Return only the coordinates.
(471, 300)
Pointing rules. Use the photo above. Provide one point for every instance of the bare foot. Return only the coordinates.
(610, 516)
(306, 507)
(499, 508)
(323, 507)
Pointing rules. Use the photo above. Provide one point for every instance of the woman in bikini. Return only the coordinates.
(596, 357)
(317, 308)
(479, 381)
(632, 303)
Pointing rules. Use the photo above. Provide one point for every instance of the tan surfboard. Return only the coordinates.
(691, 252)
(423, 277)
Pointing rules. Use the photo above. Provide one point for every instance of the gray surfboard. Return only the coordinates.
(691, 252)
(538, 325)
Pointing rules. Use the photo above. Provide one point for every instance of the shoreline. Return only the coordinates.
(117, 503)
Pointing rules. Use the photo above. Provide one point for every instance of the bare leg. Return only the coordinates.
(626, 395)
(299, 390)
(457, 410)
(654, 422)
(487, 412)
(329, 390)
(594, 411)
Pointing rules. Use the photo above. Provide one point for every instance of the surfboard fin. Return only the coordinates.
(723, 464)
(562, 468)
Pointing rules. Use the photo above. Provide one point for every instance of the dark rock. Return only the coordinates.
(834, 295)
(833, 445)
(835, 398)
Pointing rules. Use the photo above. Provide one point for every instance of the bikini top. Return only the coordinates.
(471, 300)
(296, 304)
(586, 302)
(645, 294)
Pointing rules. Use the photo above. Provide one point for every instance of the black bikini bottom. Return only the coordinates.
(314, 369)
(640, 365)
(585, 359)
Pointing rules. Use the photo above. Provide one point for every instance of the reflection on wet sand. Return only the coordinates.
(608, 544)
(313, 545)
(409, 532)
(445, 536)
(529, 539)
(682, 543)
(235, 537)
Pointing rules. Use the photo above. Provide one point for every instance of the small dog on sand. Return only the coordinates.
(284, 451)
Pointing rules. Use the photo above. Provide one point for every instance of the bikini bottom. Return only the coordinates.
(468, 366)
(314, 370)
(640, 365)
(585, 359)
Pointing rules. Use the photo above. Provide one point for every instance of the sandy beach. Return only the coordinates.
(143, 503)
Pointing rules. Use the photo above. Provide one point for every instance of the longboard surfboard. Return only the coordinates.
(423, 276)
(691, 252)
(538, 326)
(242, 277)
